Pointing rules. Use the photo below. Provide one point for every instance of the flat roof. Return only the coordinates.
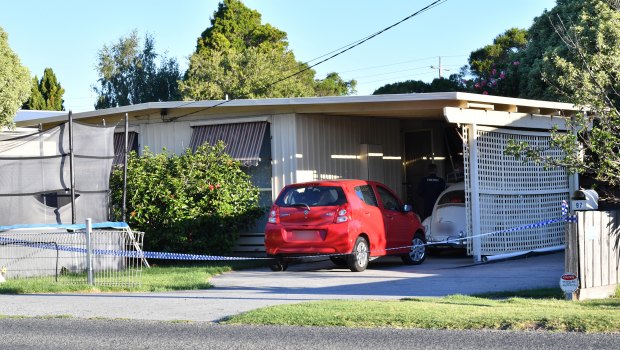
(429, 105)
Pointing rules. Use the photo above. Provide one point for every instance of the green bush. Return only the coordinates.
(193, 203)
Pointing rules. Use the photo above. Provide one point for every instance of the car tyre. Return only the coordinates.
(278, 266)
(357, 261)
(417, 253)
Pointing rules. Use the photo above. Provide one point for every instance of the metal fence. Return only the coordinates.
(63, 257)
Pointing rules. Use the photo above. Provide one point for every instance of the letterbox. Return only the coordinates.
(584, 200)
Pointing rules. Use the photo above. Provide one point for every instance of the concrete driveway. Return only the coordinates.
(241, 291)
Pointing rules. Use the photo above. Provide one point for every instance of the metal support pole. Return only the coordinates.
(475, 192)
(125, 167)
(89, 249)
(71, 169)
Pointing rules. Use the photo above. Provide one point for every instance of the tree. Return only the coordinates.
(46, 94)
(239, 57)
(334, 85)
(35, 101)
(453, 83)
(194, 203)
(585, 70)
(495, 67)
(14, 82)
(128, 74)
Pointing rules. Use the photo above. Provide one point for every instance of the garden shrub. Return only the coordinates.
(193, 203)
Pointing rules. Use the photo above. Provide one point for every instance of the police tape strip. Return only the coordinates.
(198, 257)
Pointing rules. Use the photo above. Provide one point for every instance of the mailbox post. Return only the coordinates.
(581, 200)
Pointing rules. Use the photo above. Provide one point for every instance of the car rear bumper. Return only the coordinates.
(447, 242)
(299, 240)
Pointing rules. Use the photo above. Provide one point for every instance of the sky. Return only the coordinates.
(66, 35)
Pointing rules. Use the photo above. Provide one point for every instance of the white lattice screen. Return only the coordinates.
(511, 193)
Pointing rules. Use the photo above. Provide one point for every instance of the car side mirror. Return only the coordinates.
(407, 208)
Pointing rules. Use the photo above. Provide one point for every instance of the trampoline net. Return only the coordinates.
(35, 184)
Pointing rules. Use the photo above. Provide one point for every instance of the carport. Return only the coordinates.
(388, 138)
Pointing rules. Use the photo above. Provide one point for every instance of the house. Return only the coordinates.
(388, 138)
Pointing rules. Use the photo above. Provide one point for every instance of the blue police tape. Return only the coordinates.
(73, 227)
(198, 257)
(121, 253)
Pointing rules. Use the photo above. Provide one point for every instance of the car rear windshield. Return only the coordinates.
(312, 196)
(453, 197)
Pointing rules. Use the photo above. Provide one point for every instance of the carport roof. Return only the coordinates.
(423, 105)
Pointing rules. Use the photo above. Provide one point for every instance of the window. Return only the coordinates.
(367, 195)
(454, 197)
(119, 145)
(389, 201)
(243, 140)
(312, 196)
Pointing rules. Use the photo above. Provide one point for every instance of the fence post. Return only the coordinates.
(89, 248)
(571, 254)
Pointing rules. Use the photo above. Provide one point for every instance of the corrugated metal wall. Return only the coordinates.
(283, 151)
(328, 147)
(173, 136)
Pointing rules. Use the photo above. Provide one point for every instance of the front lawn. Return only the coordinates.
(452, 312)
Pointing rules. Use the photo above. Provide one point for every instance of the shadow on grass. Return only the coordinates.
(541, 293)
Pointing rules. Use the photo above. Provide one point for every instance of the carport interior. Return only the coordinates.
(429, 142)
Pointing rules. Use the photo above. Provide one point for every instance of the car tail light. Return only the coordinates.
(342, 214)
(274, 215)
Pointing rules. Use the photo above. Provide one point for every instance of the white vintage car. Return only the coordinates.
(447, 227)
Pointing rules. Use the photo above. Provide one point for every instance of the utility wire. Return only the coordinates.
(361, 41)
(338, 52)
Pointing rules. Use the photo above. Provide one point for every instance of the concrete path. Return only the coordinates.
(241, 291)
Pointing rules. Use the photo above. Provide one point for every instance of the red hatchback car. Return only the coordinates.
(349, 220)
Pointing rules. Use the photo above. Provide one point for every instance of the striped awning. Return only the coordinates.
(119, 145)
(243, 140)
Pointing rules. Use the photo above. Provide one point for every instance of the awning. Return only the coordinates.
(119, 145)
(243, 140)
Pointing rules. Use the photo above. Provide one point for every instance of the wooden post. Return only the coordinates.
(571, 254)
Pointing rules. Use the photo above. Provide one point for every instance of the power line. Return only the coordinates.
(361, 41)
(338, 52)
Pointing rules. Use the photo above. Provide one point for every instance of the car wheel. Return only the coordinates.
(417, 254)
(280, 265)
(358, 260)
(339, 260)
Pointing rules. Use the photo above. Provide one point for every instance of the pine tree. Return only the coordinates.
(46, 94)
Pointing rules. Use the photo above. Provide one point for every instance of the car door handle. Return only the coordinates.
(366, 213)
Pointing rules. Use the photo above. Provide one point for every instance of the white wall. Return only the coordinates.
(328, 147)
(283, 152)
(173, 136)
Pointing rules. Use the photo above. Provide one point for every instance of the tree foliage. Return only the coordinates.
(584, 69)
(240, 57)
(495, 68)
(193, 203)
(14, 82)
(129, 74)
(334, 85)
(46, 94)
(453, 83)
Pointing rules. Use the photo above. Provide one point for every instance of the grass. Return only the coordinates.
(540, 309)
(154, 279)
(452, 312)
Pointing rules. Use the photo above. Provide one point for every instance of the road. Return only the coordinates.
(69, 334)
(246, 290)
